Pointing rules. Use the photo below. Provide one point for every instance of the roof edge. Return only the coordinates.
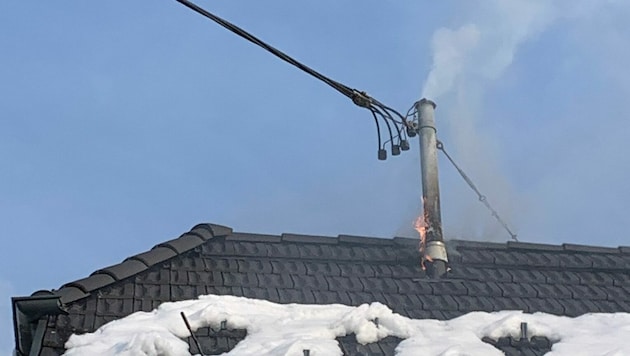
(132, 266)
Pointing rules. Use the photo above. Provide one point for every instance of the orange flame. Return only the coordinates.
(421, 226)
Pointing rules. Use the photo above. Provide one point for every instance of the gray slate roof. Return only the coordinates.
(211, 259)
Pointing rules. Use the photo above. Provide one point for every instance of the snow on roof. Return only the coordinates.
(288, 329)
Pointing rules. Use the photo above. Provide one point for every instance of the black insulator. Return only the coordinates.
(411, 132)
(395, 150)
(404, 145)
(306, 352)
(382, 154)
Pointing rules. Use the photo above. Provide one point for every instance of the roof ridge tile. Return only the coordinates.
(355, 239)
(183, 243)
(127, 268)
(251, 237)
(589, 248)
(532, 246)
(290, 237)
(214, 229)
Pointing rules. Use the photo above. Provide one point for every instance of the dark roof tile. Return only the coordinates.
(347, 253)
(312, 282)
(312, 251)
(95, 281)
(467, 304)
(439, 302)
(545, 305)
(483, 289)
(285, 251)
(382, 284)
(388, 254)
(239, 236)
(124, 290)
(187, 292)
(510, 258)
(189, 263)
(270, 294)
(595, 278)
(157, 291)
(528, 246)
(154, 256)
(70, 294)
(589, 249)
(309, 239)
(476, 257)
(286, 267)
(256, 249)
(358, 298)
(214, 278)
(224, 265)
(575, 260)
(154, 276)
(527, 276)
(577, 307)
(382, 270)
(344, 284)
(332, 297)
(214, 229)
(552, 291)
(410, 286)
(405, 241)
(183, 243)
(356, 270)
(621, 278)
(400, 300)
(126, 269)
(523, 290)
(562, 277)
(449, 287)
(251, 265)
(364, 240)
(114, 306)
(592, 292)
(232, 279)
(271, 281)
(610, 261)
(415, 313)
(322, 268)
(407, 271)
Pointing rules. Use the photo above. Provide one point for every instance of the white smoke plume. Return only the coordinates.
(466, 60)
(472, 58)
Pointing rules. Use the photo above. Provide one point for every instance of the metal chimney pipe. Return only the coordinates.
(435, 258)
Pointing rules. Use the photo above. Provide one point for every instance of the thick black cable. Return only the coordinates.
(347, 91)
(378, 128)
(389, 127)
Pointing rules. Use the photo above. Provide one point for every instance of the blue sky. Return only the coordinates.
(125, 124)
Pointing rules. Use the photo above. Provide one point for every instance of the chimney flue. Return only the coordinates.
(435, 258)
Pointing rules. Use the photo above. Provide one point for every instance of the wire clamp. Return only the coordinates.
(361, 99)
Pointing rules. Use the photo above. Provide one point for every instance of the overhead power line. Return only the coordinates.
(397, 138)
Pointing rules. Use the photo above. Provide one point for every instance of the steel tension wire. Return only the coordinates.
(482, 198)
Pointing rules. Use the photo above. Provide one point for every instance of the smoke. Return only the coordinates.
(466, 61)
(473, 58)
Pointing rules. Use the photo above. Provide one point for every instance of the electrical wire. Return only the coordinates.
(360, 98)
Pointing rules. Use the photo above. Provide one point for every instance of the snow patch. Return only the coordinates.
(288, 329)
